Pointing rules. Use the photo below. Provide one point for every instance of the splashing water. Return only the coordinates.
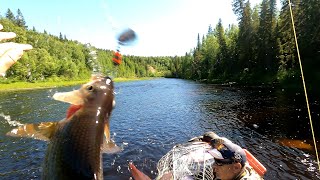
(96, 69)
(9, 121)
(309, 162)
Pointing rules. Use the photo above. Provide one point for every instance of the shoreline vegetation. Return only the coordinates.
(258, 51)
(22, 86)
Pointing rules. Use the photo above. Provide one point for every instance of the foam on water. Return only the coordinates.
(9, 121)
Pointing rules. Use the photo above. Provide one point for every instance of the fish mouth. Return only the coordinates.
(73, 97)
(77, 97)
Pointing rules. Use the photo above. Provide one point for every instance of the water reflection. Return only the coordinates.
(280, 115)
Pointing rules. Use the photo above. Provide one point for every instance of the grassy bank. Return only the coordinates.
(16, 86)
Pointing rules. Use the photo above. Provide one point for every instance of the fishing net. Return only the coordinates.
(187, 161)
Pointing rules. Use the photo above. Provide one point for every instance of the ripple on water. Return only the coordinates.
(152, 116)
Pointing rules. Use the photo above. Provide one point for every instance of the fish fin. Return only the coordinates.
(109, 147)
(42, 131)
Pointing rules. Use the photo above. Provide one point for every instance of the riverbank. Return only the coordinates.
(18, 86)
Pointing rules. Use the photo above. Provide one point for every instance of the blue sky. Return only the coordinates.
(164, 27)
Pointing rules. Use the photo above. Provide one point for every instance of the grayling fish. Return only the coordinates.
(77, 142)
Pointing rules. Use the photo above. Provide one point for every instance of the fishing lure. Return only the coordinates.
(126, 37)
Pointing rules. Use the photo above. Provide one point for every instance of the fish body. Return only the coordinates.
(76, 142)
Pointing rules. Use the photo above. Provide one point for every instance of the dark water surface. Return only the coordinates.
(152, 116)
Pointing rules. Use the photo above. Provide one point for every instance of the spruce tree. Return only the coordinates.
(308, 27)
(267, 61)
(210, 30)
(197, 59)
(238, 7)
(20, 19)
(308, 30)
(222, 54)
(286, 43)
(245, 38)
(60, 36)
(10, 15)
(198, 42)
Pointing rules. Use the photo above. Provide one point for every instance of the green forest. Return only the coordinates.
(259, 50)
(55, 58)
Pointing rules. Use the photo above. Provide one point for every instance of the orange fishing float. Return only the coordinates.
(117, 58)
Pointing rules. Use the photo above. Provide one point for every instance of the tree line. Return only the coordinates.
(56, 58)
(260, 49)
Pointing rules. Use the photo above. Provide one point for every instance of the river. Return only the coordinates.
(152, 116)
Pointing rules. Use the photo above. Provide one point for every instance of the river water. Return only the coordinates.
(152, 116)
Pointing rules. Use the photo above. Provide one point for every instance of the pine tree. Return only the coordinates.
(273, 62)
(20, 19)
(197, 60)
(209, 51)
(255, 18)
(308, 30)
(60, 36)
(205, 61)
(198, 42)
(255, 36)
(232, 37)
(245, 38)
(286, 44)
(266, 41)
(210, 31)
(222, 54)
(308, 27)
(10, 15)
(238, 7)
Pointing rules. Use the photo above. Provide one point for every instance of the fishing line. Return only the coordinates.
(110, 20)
(304, 85)
(108, 15)
(125, 37)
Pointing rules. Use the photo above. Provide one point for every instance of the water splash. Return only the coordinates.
(9, 121)
(94, 63)
(96, 69)
(308, 161)
(118, 169)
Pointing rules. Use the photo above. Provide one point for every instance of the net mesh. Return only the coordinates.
(187, 161)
